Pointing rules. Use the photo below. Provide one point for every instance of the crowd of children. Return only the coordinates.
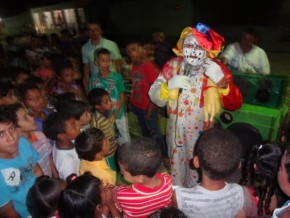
(66, 151)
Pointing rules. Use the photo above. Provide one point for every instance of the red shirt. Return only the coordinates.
(142, 77)
(140, 201)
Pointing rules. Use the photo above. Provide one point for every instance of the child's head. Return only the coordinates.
(284, 171)
(217, 153)
(260, 172)
(25, 122)
(92, 145)
(32, 97)
(100, 100)
(168, 212)
(47, 59)
(19, 76)
(42, 198)
(134, 51)
(64, 71)
(81, 198)
(8, 133)
(7, 94)
(78, 109)
(60, 126)
(102, 58)
(140, 157)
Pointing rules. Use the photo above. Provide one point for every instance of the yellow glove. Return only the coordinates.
(166, 94)
(212, 104)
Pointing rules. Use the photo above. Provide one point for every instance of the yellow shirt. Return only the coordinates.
(99, 169)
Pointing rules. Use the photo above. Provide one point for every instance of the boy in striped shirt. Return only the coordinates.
(139, 163)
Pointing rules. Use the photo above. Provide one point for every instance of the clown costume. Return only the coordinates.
(194, 86)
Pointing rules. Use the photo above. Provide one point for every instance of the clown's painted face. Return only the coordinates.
(193, 53)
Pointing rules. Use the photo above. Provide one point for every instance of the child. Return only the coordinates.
(35, 102)
(19, 76)
(7, 94)
(217, 154)
(260, 175)
(92, 146)
(113, 83)
(26, 127)
(63, 128)
(284, 183)
(18, 167)
(66, 82)
(78, 109)
(139, 163)
(168, 212)
(46, 70)
(84, 197)
(43, 197)
(101, 105)
(143, 74)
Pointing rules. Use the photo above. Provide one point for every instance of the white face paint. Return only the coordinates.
(193, 53)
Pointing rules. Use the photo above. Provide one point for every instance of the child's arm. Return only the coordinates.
(173, 200)
(37, 170)
(109, 202)
(52, 167)
(8, 211)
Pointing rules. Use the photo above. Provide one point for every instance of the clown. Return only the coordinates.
(194, 86)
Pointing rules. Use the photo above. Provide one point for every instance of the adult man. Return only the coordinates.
(245, 55)
(94, 31)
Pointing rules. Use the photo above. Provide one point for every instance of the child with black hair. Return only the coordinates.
(66, 81)
(18, 166)
(283, 178)
(168, 212)
(78, 109)
(217, 154)
(113, 83)
(26, 127)
(35, 102)
(42, 198)
(45, 70)
(92, 146)
(19, 76)
(139, 163)
(7, 94)
(84, 197)
(101, 105)
(63, 128)
(260, 175)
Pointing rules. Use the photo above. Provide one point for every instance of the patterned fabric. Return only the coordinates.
(42, 145)
(141, 201)
(107, 125)
(99, 169)
(199, 202)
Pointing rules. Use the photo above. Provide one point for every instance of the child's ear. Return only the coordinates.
(196, 162)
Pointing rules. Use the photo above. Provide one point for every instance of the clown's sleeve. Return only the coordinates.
(158, 91)
(231, 96)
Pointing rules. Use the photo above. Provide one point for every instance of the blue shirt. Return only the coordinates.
(17, 176)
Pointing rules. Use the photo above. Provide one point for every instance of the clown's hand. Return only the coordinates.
(179, 81)
(213, 71)
(212, 106)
